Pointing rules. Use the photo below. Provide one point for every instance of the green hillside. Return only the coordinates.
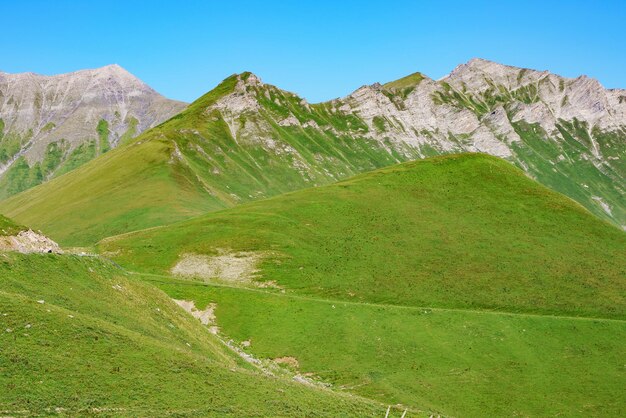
(9, 227)
(455, 285)
(466, 231)
(191, 164)
(453, 362)
(79, 337)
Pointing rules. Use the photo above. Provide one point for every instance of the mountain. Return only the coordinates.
(247, 140)
(80, 337)
(453, 284)
(50, 125)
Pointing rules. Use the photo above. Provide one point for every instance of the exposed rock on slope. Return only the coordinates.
(52, 124)
(29, 241)
(569, 134)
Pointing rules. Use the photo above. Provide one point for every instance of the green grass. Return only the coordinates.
(465, 231)
(126, 189)
(453, 362)
(9, 227)
(409, 81)
(79, 156)
(454, 285)
(78, 337)
(103, 136)
(22, 176)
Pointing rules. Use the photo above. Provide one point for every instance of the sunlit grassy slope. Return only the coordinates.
(464, 231)
(453, 362)
(191, 164)
(455, 285)
(9, 227)
(78, 337)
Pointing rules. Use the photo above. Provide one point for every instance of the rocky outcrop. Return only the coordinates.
(29, 241)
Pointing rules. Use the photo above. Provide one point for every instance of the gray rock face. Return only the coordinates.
(37, 111)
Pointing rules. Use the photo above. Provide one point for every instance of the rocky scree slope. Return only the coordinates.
(51, 124)
(246, 140)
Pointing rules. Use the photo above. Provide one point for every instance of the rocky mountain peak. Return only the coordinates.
(249, 79)
(479, 74)
(59, 114)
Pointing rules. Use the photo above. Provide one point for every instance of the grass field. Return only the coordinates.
(9, 227)
(467, 231)
(78, 337)
(454, 285)
(452, 362)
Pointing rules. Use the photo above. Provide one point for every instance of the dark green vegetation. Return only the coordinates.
(10, 143)
(103, 136)
(79, 337)
(464, 231)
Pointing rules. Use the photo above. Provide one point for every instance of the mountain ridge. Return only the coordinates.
(246, 140)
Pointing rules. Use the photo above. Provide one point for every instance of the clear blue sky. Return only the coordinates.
(319, 49)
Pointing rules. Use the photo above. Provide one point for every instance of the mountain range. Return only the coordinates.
(246, 140)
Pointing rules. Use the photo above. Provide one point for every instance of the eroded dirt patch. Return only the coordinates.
(206, 316)
(229, 266)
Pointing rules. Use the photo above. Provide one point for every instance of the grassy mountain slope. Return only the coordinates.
(465, 231)
(9, 227)
(455, 285)
(188, 165)
(80, 338)
(452, 362)
(135, 187)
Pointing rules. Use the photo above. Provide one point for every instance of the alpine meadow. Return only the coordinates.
(430, 246)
